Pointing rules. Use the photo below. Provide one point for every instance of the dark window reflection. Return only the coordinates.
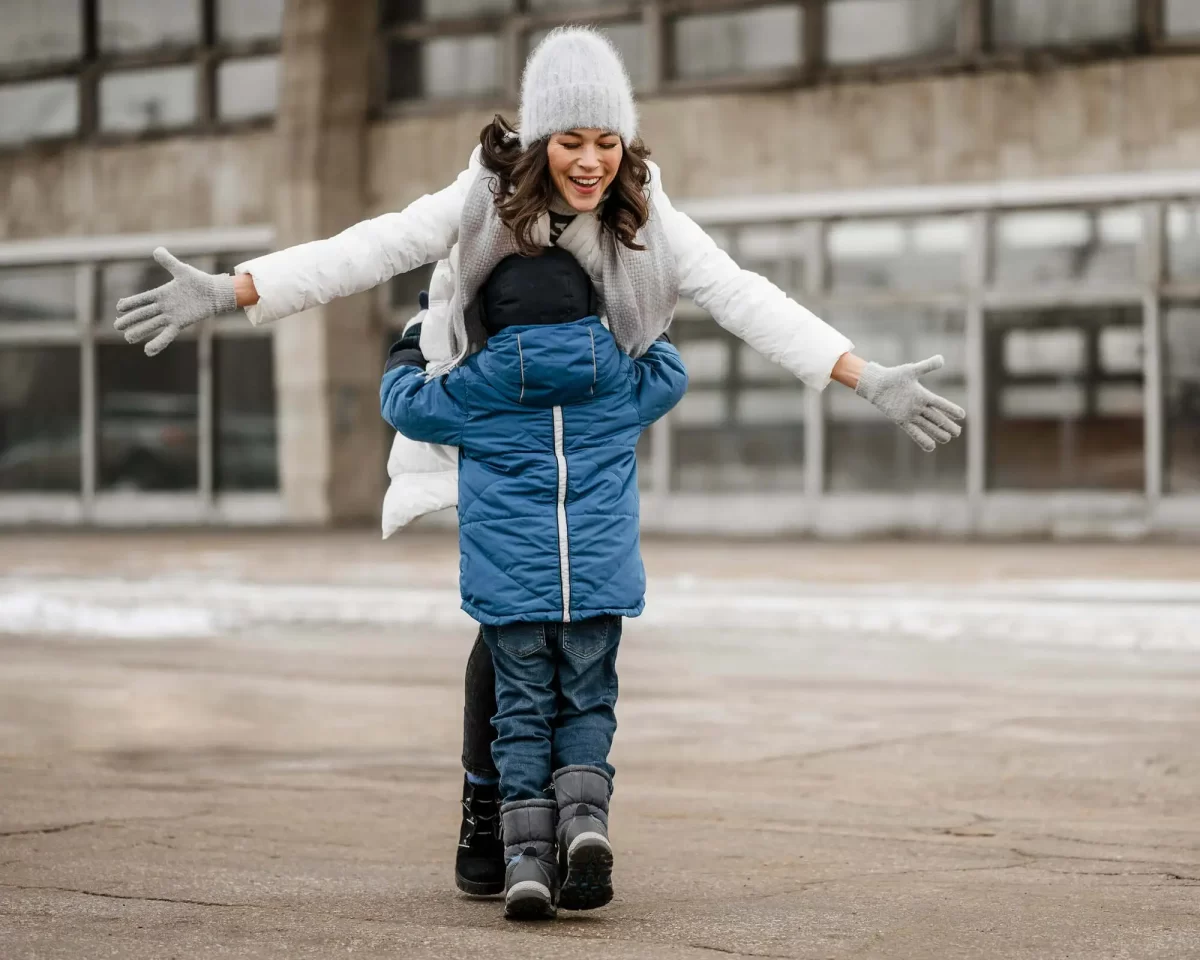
(247, 455)
(1065, 399)
(740, 427)
(39, 419)
(776, 251)
(1039, 247)
(120, 280)
(37, 293)
(923, 254)
(444, 67)
(406, 11)
(1181, 394)
(405, 288)
(148, 423)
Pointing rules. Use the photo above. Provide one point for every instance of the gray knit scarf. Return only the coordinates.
(641, 287)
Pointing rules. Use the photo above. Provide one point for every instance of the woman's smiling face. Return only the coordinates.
(583, 164)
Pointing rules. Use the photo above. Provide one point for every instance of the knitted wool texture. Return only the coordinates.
(575, 78)
(641, 287)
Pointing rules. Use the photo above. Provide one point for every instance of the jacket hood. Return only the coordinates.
(552, 365)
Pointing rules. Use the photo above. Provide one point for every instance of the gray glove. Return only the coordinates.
(922, 414)
(167, 310)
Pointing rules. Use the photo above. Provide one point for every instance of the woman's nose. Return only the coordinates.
(589, 159)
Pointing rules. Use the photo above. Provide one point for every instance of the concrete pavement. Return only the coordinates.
(290, 789)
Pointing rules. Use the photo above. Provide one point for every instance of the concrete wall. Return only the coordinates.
(1117, 116)
(1112, 117)
(178, 183)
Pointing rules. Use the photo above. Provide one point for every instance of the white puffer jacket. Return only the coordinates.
(424, 478)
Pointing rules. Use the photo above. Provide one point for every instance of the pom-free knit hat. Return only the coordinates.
(575, 78)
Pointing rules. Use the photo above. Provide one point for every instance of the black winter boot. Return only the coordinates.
(585, 857)
(479, 863)
(531, 880)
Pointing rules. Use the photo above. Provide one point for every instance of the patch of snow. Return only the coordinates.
(1115, 615)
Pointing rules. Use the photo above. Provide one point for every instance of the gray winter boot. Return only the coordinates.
(585, 857)
(531, 878)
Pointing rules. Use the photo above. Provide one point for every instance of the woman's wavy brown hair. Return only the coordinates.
(525, 189)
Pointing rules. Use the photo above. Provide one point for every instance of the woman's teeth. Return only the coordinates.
(585, 181)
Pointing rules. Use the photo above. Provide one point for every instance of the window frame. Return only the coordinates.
(207, 54)
(977, 508)
(92, 327)
(974, 49)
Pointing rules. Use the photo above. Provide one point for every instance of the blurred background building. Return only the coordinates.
(1011, 183)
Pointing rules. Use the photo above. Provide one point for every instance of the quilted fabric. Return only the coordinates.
(533, 395)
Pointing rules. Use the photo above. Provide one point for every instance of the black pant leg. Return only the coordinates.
(478, 709)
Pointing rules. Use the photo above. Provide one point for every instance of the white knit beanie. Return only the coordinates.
(574, 79)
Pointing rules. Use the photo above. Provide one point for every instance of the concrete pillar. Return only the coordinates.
(327, 360)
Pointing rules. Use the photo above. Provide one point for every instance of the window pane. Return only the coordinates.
(38, 111)
(1040, 23)
(248, 88)
(924, 254)
(628, 38)
(645, 460)
(444, 68)
(739, 427)
(864, 451)
(720, 44)
(119, 280)
(136, 100)
(859, 31)
(1067, 246)
(39, 419)
(406, 11)
(776, 251)
(39, 30)
(1183, 241)
(37, 293)
(1065, 399)
(148, 424)
(244, 387)
(1182, 18)
(404, 289)
(140, 24)
(1181, 396)
(249, 19)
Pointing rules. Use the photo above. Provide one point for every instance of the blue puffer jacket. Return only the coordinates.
(546, 419)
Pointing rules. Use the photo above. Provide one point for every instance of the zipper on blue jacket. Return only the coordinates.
(564, 549)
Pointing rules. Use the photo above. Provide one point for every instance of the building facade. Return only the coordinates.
(1012, 183)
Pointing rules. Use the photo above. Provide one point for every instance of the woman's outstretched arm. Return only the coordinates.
(758, 312)
(300, 277)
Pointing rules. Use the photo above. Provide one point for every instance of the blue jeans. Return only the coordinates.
(556, 694)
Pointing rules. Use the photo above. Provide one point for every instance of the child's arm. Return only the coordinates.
(433, 411)
(659, 380)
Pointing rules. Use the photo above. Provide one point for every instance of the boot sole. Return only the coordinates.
(588, 882)
(529, 900)
(476, 889)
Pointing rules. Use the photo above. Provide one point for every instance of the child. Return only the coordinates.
(547, 417)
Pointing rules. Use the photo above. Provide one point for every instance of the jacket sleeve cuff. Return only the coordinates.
(405, 352)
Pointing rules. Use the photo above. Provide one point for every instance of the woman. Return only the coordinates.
(576, 177)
